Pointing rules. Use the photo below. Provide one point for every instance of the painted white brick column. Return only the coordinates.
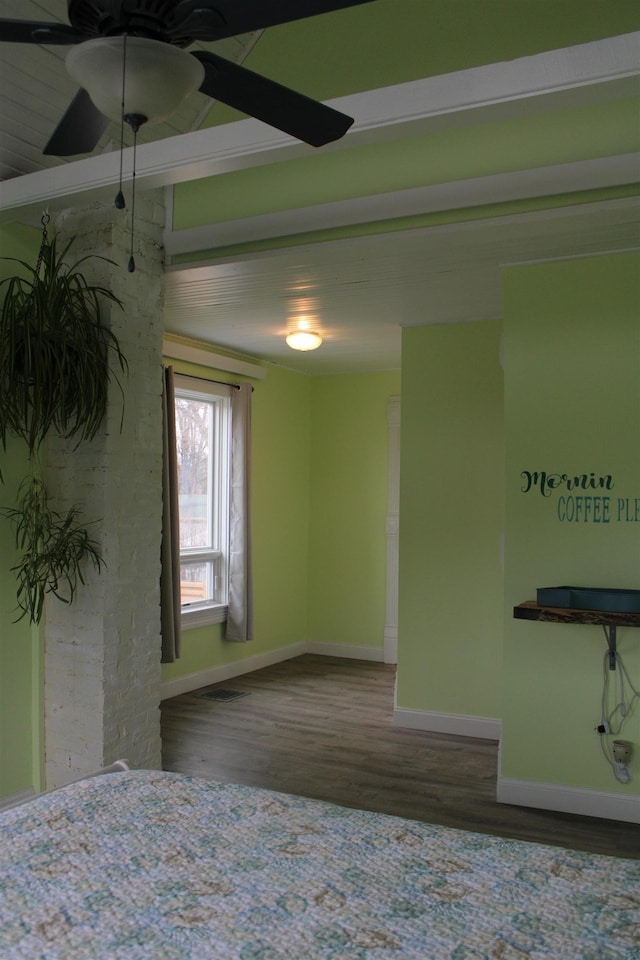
(102, 652)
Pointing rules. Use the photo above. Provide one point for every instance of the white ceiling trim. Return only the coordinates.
(586, 73)
(181, 350)
(476, 191)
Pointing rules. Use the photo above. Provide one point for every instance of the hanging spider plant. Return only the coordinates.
(54, 549)
(57, 355)
(57, 360)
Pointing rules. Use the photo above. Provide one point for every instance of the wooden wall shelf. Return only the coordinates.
(529, 610)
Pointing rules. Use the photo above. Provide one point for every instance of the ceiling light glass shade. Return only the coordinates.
(157, 76)
(303, 340)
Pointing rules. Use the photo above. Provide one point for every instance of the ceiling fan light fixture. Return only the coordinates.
(303, 340)
(158, 76)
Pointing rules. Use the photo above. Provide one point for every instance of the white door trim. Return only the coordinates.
(392, 532)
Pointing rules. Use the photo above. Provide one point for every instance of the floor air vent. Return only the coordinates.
(222, 695)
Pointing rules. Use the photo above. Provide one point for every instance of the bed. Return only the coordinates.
(161, 866)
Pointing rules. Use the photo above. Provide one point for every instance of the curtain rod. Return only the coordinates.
(223, 383)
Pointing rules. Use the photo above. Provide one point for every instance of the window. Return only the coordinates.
(203, 418)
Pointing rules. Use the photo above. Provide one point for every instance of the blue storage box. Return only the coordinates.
(590, 598)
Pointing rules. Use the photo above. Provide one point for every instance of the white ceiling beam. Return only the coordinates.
(454, 195)
(587, 73)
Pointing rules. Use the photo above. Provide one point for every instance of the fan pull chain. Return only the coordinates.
(119, 201)
(134, 120)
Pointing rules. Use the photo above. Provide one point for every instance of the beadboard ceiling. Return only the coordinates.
(359, 291)
(363, 291)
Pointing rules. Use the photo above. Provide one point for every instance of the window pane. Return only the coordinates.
(202, 441)
(194, 429)
(196, 582)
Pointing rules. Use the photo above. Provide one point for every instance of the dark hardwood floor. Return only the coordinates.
(322, 727)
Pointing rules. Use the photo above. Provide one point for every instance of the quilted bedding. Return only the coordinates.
(160, 866)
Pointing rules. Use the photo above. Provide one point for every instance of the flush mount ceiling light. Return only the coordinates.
(303, 340)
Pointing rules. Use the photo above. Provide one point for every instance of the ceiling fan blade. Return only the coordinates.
(28, 31)
(280, 107)
(218, 19)
(79, 130)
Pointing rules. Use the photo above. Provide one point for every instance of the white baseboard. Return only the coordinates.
(15, 799)
(348, 651)
(556, 796)
(204, 678)
(460, 725)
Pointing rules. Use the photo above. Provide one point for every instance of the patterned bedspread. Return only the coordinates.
(160, 866)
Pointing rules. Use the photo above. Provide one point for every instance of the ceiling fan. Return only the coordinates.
(130, 62)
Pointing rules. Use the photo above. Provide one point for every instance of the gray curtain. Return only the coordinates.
(170, 609)
(240, 616)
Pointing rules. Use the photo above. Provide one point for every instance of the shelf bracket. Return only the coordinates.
(610, 632)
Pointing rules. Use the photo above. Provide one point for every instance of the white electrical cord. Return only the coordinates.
(627, 698)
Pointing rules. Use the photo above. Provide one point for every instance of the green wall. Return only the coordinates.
(451, 520)
(20, 658)
(20, 672)
(349, 480)
(572, 391)
(280, 506)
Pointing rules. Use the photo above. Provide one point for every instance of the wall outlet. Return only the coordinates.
(622, 751)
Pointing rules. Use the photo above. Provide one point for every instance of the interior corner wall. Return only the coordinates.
(451, 520)
(319, 487)
(348, 506)
(572, 401)
(20, 679)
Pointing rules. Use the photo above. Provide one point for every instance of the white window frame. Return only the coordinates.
(199, 613)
